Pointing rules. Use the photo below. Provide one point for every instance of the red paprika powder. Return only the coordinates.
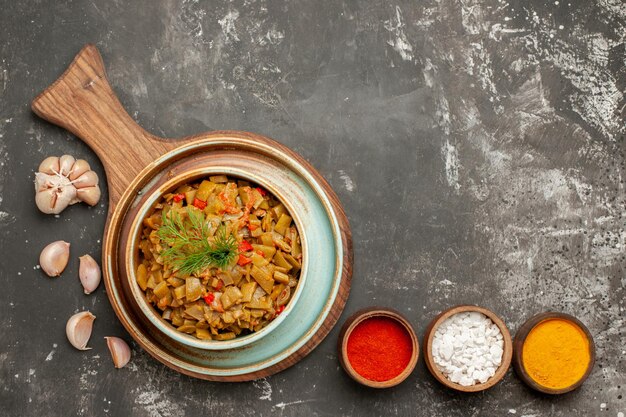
(379, 348)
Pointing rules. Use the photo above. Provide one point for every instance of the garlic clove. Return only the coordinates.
(78, 329)
(88, 179)
(50, 165)
(89, 273)
(54, 257)
(66, 162)
(120, 351)
(80, 167)
(55, 199)
(66, 197)
(44, 181)
(46, 202)
(89, 195)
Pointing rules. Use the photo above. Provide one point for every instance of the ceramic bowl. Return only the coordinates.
(346, 331)
(439, 376)
(273, 185)
(518, 344)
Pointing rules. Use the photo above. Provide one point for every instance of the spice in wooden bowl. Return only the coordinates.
(378, 348)
(554, 353)
(467, 348)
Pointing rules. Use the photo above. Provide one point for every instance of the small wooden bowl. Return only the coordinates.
(520, 338)
(428, 351)
(348, 327)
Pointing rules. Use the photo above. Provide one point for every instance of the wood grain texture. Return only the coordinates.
(428, 352)
(83, 102)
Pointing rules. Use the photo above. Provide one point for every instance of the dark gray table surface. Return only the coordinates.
(478, 148)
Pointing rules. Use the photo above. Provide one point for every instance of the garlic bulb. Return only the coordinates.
(53, 193)
(54, 257)
(78, 329)
(64, 181)
(89, 273)
(120, 351)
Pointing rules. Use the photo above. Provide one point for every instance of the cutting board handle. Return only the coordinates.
(82, 101)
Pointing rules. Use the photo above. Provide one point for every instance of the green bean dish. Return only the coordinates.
(219, 258)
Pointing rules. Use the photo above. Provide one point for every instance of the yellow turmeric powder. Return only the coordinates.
(556, 353)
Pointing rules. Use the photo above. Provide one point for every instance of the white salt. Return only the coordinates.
(467, 348)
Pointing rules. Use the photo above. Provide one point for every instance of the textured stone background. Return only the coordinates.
(478, 147)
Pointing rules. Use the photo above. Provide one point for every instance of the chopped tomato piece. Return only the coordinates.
(209, 298)
(199, 203)
(261, 191)
(245, 246)
(243, 260)
(178, 197)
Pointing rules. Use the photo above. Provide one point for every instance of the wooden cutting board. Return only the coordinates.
(135, 162)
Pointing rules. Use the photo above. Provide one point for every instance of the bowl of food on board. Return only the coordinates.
(467, 348)
(554, 353)
(216, 261)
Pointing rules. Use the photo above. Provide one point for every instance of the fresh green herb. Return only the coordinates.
(190, 248)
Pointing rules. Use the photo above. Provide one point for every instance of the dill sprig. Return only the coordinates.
(190, 248)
